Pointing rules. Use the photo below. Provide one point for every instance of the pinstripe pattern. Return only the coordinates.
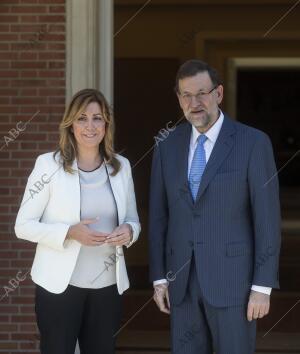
(200, 328)
(198, 166)
(234, 219)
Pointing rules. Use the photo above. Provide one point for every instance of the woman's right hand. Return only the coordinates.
(84, 235)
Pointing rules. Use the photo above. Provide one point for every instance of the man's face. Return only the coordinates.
(200, 100)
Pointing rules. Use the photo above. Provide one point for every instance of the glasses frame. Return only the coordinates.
(199, 96)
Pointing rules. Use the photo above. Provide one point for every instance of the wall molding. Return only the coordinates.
(226, 60)
(285, 3)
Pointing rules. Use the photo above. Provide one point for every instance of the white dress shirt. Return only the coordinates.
(212, 135)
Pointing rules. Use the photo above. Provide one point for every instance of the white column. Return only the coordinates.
(89, 52)
(89, 58)
(106, 48)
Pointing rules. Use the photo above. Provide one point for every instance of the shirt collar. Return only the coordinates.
(213, 132)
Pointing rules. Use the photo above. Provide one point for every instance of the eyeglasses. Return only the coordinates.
(187, 97)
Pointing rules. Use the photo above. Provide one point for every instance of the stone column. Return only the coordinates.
(89, 40)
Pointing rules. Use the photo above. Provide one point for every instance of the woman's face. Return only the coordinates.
(89, 127)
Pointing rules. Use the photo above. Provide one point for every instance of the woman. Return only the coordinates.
(79, 207)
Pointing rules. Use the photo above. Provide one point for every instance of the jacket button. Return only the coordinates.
(191, 243)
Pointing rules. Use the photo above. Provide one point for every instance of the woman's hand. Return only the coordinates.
(84, 235)
(122, 235)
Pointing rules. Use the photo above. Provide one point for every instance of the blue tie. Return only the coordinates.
(198, 166)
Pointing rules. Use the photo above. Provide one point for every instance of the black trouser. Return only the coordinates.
(90, 315)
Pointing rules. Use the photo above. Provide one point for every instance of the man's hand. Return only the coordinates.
(258, 305)
(161, 297)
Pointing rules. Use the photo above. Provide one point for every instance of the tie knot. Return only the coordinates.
(202, 138)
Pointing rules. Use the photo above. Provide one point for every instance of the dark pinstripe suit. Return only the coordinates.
(222, 237)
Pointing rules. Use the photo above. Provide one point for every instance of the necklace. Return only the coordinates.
(101, 161)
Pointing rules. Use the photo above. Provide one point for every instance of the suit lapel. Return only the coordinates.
(220, 151)
(182, 154)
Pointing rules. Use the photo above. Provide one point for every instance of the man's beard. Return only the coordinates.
(202, 122)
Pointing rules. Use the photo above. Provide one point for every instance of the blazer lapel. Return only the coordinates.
(115, 184)
(220, 151)
(72, 187)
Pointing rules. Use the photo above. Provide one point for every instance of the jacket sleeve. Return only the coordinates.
(131, 211)
(28, 225)
(265, 207)
(158, 219)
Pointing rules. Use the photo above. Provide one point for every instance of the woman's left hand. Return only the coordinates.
(122, 235)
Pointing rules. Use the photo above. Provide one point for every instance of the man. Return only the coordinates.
(214, 228)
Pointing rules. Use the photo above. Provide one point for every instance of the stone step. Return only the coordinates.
(141, 313)
(157, 342)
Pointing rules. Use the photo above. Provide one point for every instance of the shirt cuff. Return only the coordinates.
(160, 281)
(132, 235)
(261, 289)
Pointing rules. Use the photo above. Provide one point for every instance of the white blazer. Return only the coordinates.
(51, 204)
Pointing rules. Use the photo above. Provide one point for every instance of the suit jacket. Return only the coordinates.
(233, 227)
(51, 204)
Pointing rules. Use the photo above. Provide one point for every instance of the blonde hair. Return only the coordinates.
(67, 143)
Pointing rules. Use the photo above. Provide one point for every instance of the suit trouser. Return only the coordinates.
(200, 328)
(90, 315)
